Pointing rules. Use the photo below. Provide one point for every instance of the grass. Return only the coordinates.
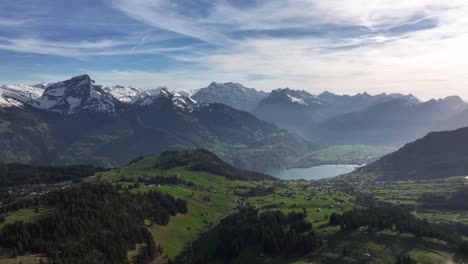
(408, 192)
(319, 202)
(27, 214)
(384, 247)
(345, 154)
(31, 259)
(183, 229)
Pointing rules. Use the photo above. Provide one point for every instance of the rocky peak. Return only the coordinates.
(75, 95)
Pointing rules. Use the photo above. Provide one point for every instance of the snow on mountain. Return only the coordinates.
(18, 95)
(125, 94)
(179, 101)
(232, 94)
(295, 97)
(155, 91)
(76, 95)
(41, 85)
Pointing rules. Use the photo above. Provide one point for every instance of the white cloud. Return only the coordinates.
(106, 47)
(429, 63)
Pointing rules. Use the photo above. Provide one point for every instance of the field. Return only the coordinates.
(27, 214)
(211, 197)
(385, 247)
(408, 193)
(345, 154)
(183, 229)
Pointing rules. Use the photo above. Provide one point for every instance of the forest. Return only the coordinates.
(397, 219)
(273, 232)
(16, 174)
(93, 223)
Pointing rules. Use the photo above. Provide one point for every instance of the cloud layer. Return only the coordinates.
(344, 46)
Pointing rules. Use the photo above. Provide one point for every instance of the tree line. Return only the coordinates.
(388, 218)
(93, 224)
(272, 232)
(17, 174)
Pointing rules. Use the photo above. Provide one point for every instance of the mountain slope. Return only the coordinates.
(75, 95)
(125, 94)
(101, 130)
(291, 109)
(18, 95)
(205, 161)
(437, 155)
(393, 122)
(302, 112)
(231, 94)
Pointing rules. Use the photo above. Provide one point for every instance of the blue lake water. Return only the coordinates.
(314, 173)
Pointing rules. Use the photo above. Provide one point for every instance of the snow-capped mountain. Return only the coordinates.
(178, 101)
(18, 95)
(231, 94)
(295, 97)
(125, 94)
(76, 95)
(80, 93)
(135, 123)
(302, 112)
(41, 85)
(155, 91)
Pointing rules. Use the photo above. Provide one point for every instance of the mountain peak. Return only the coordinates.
(125, 94)
(18, 95)
(76, 94)
(454, 99)
(230, 93)
(83, 79)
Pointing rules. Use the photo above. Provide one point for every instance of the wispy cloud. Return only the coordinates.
(405, 46)
(345, 46)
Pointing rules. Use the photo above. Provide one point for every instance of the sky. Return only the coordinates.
(343, 46)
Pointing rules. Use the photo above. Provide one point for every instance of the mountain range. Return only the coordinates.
(79, 122)
(231, 94)
(382, 119)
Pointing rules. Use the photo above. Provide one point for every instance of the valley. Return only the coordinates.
(233, 132)
(215, 190)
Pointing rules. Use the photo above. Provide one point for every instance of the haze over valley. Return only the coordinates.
(270, 132)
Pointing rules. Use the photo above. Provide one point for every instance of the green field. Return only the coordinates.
(345, 154)
(212, 197)
(408, 193)
(27, 214)
(385, 247)
(175, 237)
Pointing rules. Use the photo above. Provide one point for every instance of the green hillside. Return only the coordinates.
(214, 191)
(344, 154)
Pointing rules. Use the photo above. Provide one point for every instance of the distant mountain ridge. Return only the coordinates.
(393, 122)
(302, 112)
(437, 155)
(79, 122)
(382, 119)
(232, 94)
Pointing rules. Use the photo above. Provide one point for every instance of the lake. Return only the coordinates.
(314, 173)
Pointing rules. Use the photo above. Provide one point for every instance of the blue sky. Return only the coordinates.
(344, 46)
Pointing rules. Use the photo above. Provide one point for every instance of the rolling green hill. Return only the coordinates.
(344, 154)
(437, 155)
(214, 190)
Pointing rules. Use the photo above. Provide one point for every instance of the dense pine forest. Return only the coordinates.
(397, 219)
(93, 224)
(273, 232)
(16, 174)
